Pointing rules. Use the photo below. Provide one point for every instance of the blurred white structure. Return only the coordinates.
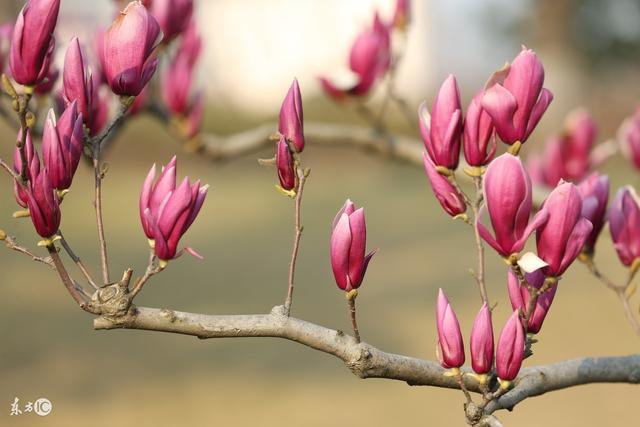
(254, 48)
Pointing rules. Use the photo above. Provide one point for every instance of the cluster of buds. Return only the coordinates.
(510, 106)
(567, 156)
(509, 352)
(38, 194)
(167, 210)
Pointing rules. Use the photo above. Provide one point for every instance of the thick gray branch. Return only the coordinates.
(366, 361)
(396, 146)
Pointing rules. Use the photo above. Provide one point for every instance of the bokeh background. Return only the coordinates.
(253, 48)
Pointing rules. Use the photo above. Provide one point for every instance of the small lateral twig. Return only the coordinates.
(152, 269)
(75, 291)
(351, 301)
(11, 243)
(620, 290)
(302, 175)
(475, 206)
(76, 259)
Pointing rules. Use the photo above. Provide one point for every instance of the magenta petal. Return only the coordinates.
(340, 246)
(500, 104)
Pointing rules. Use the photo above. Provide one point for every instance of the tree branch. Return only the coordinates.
(401, 148)
(366, 361)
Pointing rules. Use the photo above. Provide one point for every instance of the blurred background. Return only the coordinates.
(591, 53)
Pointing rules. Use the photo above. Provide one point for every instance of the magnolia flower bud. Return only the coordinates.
(33, 42)
(128, 59)
(62, 145)
(595, 194)
(624, 225)
(167, 211)
(442, 129)
(510, 349)
(481, 341)
(172, 15)
(176, 85)
(78, 82)
(402, 14)
(449, 198)
(508, 199)
(43, 204)
(517, 102)
(348, 245)
(479, 136)
(33, 168)
(520, 296)
(561, 238)
(285, 165)
(369, 59)
(629, 136)
(449, 335)
(291, 123)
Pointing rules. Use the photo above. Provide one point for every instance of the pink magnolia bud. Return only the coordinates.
(551, 166)
(519, 296)
(78, 82)
(630, 138)
(481, 342)
(348, 245)
(449, 335)
(402, 14)
(33, 42)
(442, 129)
(510, 349)
(43, 205)
(624, 225)
(47, 84)
(62, 145)
(172, 15)
(167, 211)
(561, 238)
(449, 198)
(517, 103)
(176, 85)
(595, 195)
(507, 195)
(285, 165)
(579, 138)
(190, 43)
(32, 171)
(291, 123)
(479, 137)
(129, 62)
(369, 59)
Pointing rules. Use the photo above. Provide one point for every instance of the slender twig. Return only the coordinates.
(302, 177)
(76, 259)
(74, 290)
(351, 301)
(10, 170)
(98, 206)
(23, 109)
(620, 290)
(152, 269)
(96, 143)
(11, 243)
(475, 206)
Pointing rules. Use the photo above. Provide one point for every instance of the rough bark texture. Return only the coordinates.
(366, 361)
